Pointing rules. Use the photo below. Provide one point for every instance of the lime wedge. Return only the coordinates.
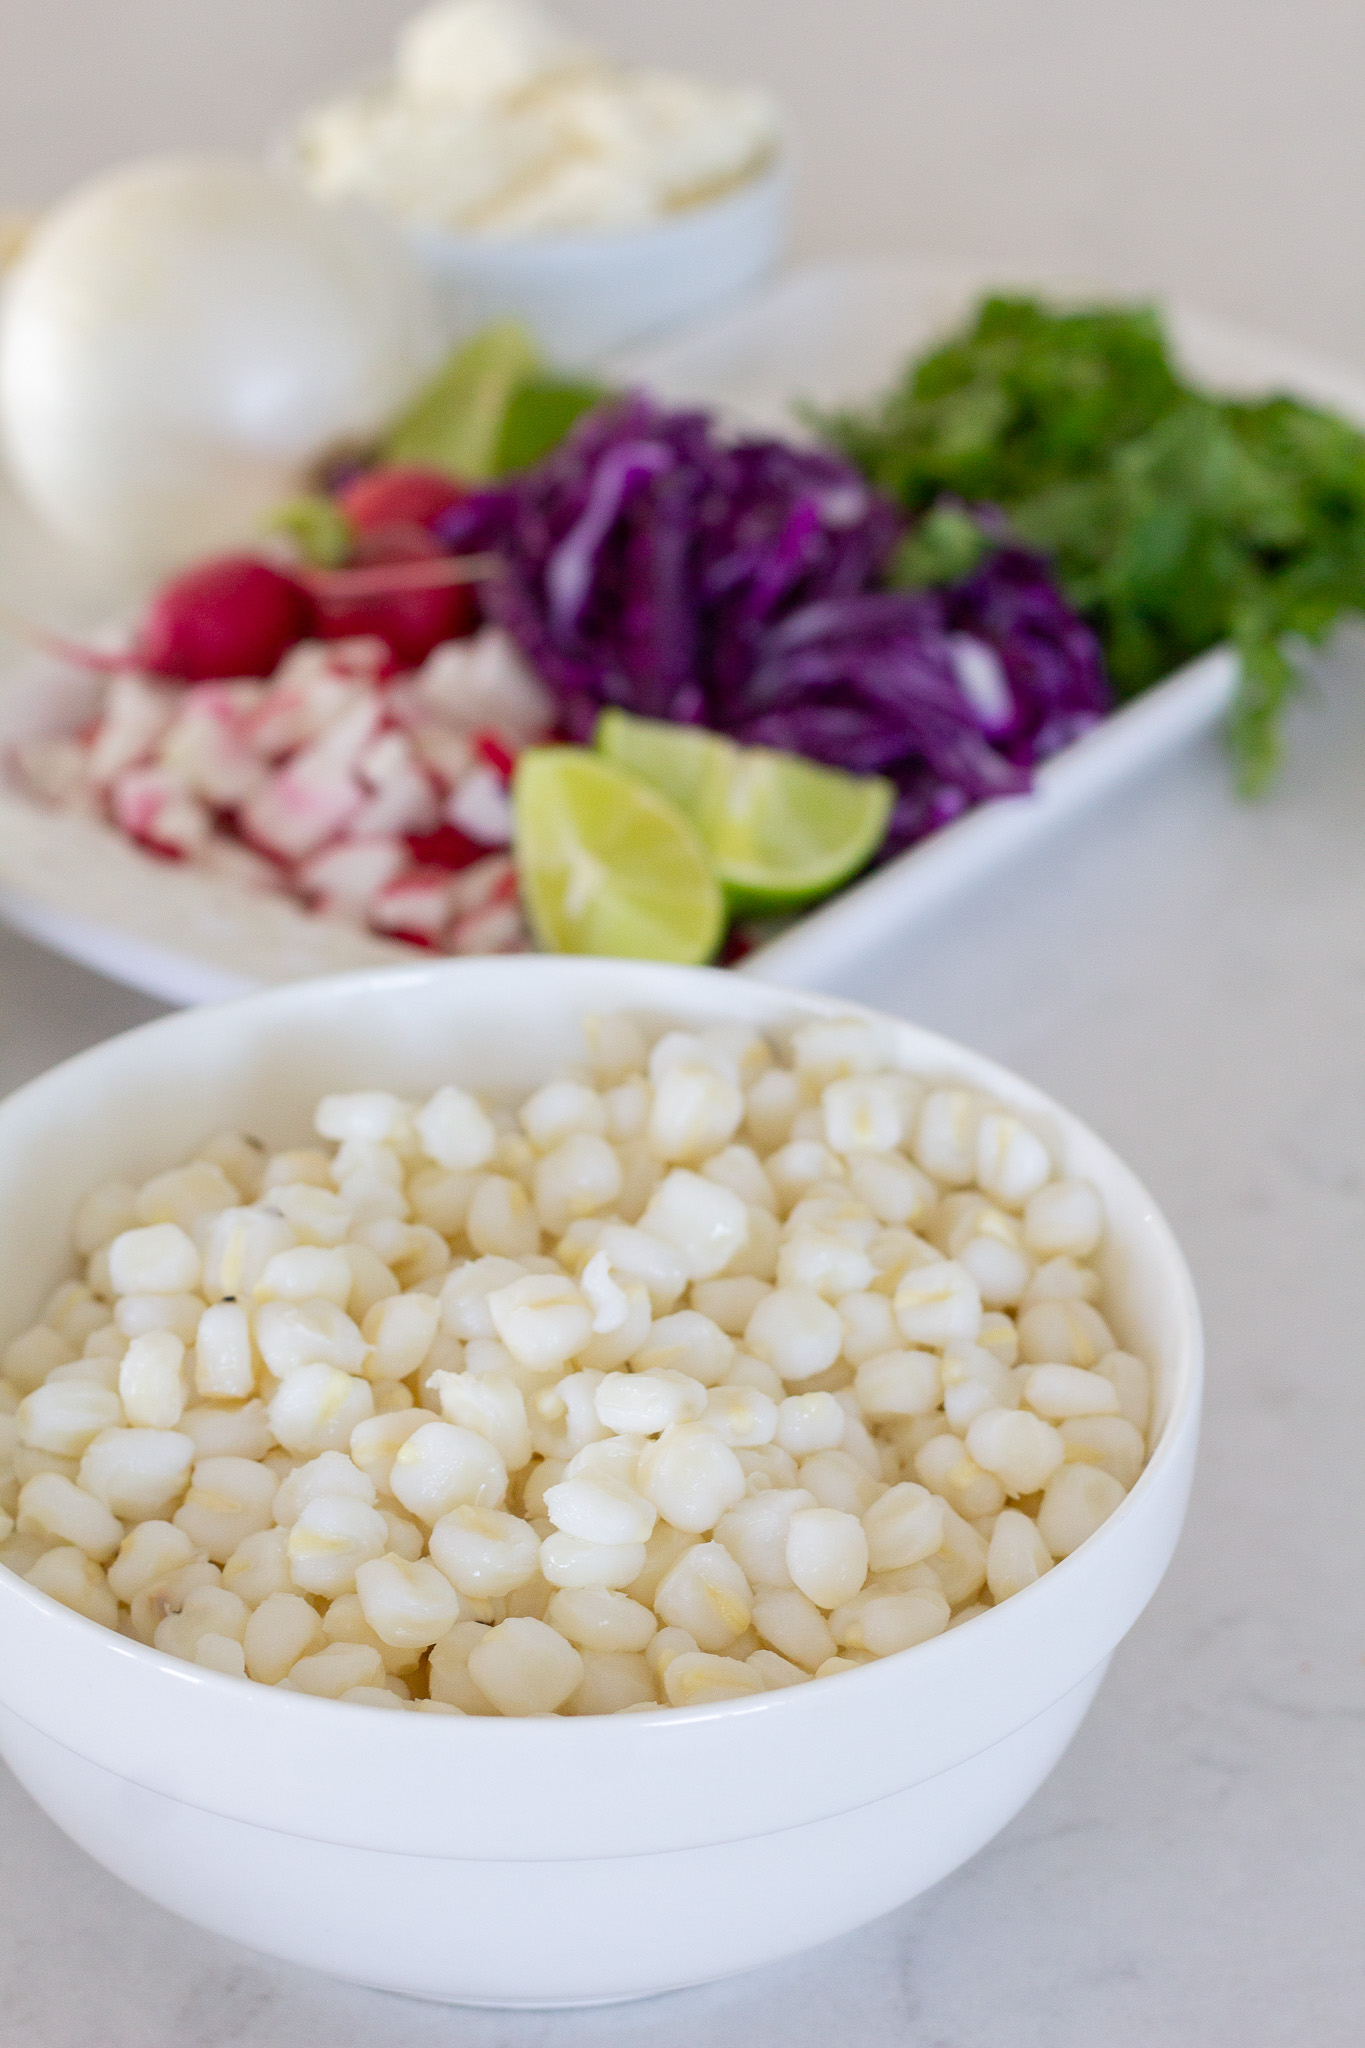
(539, 414)
(608, 865)
(457, 422)
(781, 830)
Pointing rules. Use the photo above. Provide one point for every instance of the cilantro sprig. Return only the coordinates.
(1176, 519)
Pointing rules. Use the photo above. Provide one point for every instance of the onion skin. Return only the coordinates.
(234, 616)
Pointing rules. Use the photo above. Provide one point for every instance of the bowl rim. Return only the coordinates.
(1180, 1423)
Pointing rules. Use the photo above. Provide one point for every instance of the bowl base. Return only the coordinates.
(603, 1930)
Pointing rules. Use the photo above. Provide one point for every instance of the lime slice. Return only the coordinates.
(608, 865)
(688, 763)
(781, 830)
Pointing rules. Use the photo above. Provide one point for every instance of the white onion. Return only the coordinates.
(179, 337)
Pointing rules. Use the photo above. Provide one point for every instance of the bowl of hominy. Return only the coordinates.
(539, 1481)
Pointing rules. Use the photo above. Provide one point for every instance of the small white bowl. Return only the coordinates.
(549, 1861)
(584, 295)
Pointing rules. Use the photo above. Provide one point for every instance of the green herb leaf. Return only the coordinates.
(539, 414)
(1175, 519)
(457, 423)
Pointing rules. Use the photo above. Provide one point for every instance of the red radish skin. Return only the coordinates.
(490, 747)
(233, 616)
(446, 847)
(397, 495)
(410, 622)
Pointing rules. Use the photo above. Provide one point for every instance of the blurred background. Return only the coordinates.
(1212, 149)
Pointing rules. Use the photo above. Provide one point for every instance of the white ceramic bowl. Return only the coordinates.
(551, 1861)
(587, 294)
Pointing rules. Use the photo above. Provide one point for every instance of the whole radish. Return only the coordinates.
(397, 494)
(233, 616)
(411, 622)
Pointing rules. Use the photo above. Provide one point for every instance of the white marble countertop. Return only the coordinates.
(1189, 973)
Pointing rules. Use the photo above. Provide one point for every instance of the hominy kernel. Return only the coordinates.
(259, 1567)
(1061, 1280)
(1063, 1333)
(573, 1561)
(330, 1539)
(903, 1527)
(485, 1552)
(1012, 1162)
(52, 1506)
(68, 1575)
(696, 1679)
(810, 1422)
(796, 1332)
(691, 1476)
(686, 1343)
(1016, 1554)
(1076, 1500)
(229, 1499)
(280, 1630)
(316, 1408)
(376, 1342)
(1108, 1441)
(148, 1552)
(1060, 1391)
(1130, 1379)
(160, 1259)
(946, 1467)
(937, 1304)
(704, 1223)
(1020, 1449)
(695, 1111)
(706, 1593)
(826, 1555)
(137, 1472)
(899, 1383)
(946, 1136)
(408, 1604)
(525, 1667)
(66, 1416)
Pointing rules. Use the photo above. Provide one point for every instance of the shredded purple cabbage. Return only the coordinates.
(651, 564)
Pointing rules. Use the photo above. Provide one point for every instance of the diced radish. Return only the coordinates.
(235, 616)
(402, 798)
(151, 806)
(483, 683)
(498, 929)
(490, 880)
(228, 858)
(446, 847)
(418, 902)
(208, 745)
(294, 813)
(492, 748)
(397, 494)
(410, 622)
(309, 801)
(301, 707)
(136, 714)
(479, 805)
(446, 754)
(350, 875)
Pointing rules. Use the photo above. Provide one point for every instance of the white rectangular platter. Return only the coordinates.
(831, 333)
